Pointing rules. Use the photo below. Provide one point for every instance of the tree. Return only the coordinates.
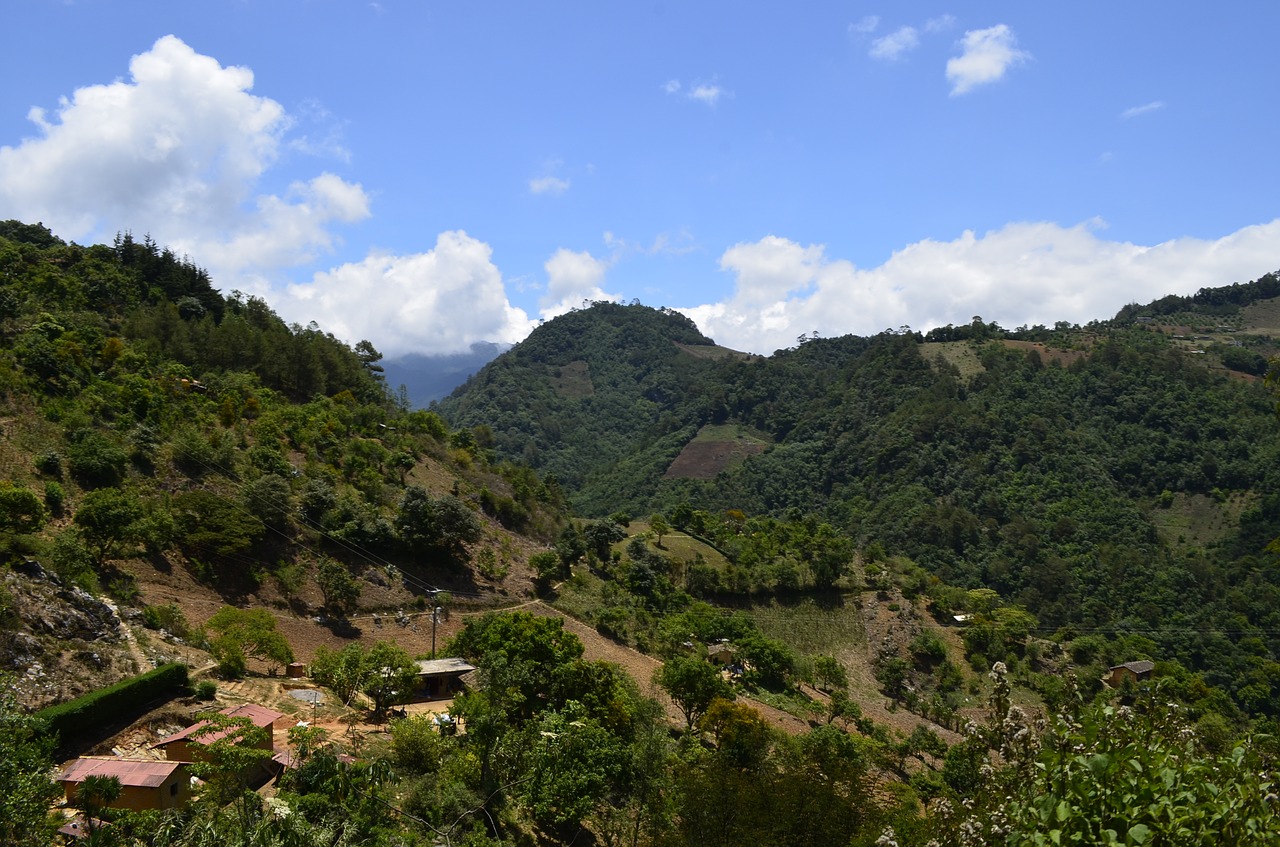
(94, 795)
(693, 685)
(20, 509)
(341, 671)
(244, 633)
(26, 791)
(340, 589)
(390, 675)
(660, 527)
(107, 518)
(830, 674)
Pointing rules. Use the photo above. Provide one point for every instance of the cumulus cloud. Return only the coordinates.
(893, 45)
(439, 301)
(177, 150)
(988, 54)
(571, 278)
(1146, 108)
(1023, 273)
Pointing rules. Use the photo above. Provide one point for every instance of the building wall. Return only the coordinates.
(173, 793)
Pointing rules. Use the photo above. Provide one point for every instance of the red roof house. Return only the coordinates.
(143, 785)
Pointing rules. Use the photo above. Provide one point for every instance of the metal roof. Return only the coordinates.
(437, 667)
(129, 772)
(259, 716)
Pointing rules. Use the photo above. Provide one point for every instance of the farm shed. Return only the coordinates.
(143, 785)
(439, 678)
(1132, 671)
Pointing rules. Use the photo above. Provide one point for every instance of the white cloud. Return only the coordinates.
(707, 93)
(439, 301)
(176, 151)
(894, 44)
(571, 278)
(866, 25)
(940, 23)
(988, 54)
(1023, 273)
(548, 185)
(1135, 111)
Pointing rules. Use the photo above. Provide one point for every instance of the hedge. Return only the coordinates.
(108, 705)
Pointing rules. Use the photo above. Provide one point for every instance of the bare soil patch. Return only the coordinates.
(714, 449)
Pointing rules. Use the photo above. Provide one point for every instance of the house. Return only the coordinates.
(1132, 671)
(438, 678)
(722, 652)
(188, 745)
(143, 785)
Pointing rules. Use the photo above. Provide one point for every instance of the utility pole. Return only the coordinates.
(435, 619)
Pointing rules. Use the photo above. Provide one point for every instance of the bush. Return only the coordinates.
(117, 702)
(206, 690)
(96, 461)
(167, 617)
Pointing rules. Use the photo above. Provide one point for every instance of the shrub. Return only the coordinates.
(206, 690)
(116, 702)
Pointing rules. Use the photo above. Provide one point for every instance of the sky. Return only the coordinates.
(427, 175)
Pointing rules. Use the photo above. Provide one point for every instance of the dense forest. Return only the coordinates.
(1080, 496)
(1068, 469)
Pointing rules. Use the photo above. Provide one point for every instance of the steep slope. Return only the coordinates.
(591, 388)
(1113, 479)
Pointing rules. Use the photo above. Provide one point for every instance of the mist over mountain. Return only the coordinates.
(427, 378)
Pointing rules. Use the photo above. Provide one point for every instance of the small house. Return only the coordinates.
(188, 745)
(440, 678)
(1132, 671)
(143, 785)
(722, 653)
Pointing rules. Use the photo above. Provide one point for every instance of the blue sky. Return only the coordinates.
(427, 175)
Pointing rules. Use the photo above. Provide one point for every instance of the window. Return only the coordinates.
(173, 789)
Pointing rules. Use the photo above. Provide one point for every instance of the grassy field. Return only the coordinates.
(1194, 520)
(962, 354)
(812, 629)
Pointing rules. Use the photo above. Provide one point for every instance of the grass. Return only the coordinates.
(731, 433)
(961, 354)
(811, 629)
(1195, 520)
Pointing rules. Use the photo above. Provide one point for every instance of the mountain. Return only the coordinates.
(1115, 478)
(175, 449)
(428, 378)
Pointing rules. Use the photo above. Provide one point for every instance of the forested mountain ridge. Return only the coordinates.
(1101, 476)
(159, 436)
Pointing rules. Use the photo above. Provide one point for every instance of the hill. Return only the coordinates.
(175, 450)
(1116, 479)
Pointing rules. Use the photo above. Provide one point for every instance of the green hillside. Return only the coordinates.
(1058, 467)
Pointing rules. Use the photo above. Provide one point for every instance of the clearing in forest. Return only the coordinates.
(715, 448)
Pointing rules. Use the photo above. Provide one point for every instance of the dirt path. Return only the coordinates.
(135, 650)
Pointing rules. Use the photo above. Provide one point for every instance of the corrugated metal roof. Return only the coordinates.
(133, 773)
(260, 716)
(433, 667)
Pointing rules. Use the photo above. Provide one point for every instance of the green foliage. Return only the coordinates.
(693, 686)
(20, 509)
(95, 460)
(168, 618)
(341, 590)
(108, 519)
(26, 791)
(240, 634)
(123, 700)
(206, 690)
(210, 525)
